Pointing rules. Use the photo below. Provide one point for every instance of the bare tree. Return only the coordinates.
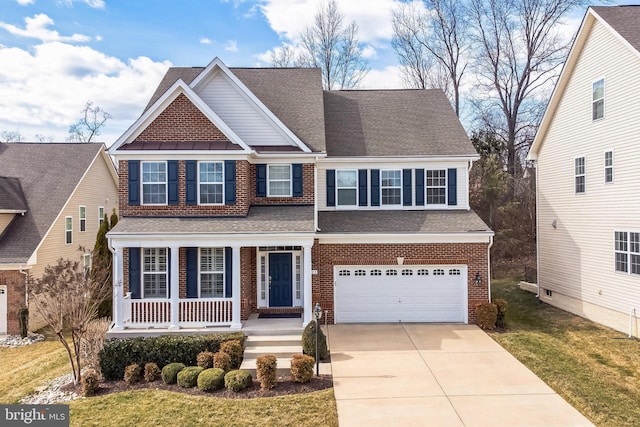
(334, 47)
(283, 56)
(519, 52)
(90, 125)
(430, 40)
(11, 136)
(67, 298)
(44, 138)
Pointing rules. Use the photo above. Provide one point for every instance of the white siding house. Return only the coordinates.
(586, 152)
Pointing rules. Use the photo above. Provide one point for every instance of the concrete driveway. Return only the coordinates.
(436, 375)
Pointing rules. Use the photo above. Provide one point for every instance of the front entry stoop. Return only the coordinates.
(281, 346)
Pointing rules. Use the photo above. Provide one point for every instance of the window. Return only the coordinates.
(347, 187)
(436, 185)
(454, 272)
(360, 273)
(83, 218)
(68, 230)
(298, 277)
(211, 182)
(154, 183)
(100, 215)
(407, 272)
(597, 110)
(344, 273)
(438, 272)
(376, 273)
(154, 273)
(279, 180)
(423, 272)
(86, 263)
(627, 252)
(212, 273)
(608, 166)
(391, 272)
(391, 187)
(580, 175)
(548, 293)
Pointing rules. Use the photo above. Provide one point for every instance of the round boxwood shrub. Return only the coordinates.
(133, 374)
(211, 379)
(222, 360)
(151, 372)
(237, 380)
(188, 377)
(205, 359)
(309, 342)
(235, 351)
(170, 372)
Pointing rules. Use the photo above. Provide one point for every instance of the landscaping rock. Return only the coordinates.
(17, 341)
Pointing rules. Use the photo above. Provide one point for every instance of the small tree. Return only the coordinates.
(67, 299)
(102, 262)
(90, 125)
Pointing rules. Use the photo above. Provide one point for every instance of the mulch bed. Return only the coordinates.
(285, 386)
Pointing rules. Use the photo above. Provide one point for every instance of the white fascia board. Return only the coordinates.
(12, 211)
(399, 159)
(179, 87)
(217, 63)
(208, 239)
(156, 155)
(276, 157)
(361, 238)
(15, 266)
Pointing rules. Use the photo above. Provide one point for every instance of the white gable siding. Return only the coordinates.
(576, 259)
(242, 115)
(462, 181)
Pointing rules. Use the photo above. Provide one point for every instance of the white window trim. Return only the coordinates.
(82, 220)
(86, 262)
(604, 99)
(628, 252)
(200, 272)
(290, 194)
(395, 206)
(68, 230)
(222, 183)
(575, 175)
(612, 167)
(426, 187)
(101, 213)
(166, 274)
(338, 205)
(166, 184)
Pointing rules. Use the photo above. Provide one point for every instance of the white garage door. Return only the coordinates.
(401, 294)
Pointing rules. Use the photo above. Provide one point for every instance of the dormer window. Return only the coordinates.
(436, 185)
(279, 180)
(154, 183)
(391, 185)
(347, 187)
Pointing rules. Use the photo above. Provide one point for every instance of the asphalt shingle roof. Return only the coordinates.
(624, 19)
(48, 174)
(11, 195)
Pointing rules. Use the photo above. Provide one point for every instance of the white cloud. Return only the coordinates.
(96, 4)
(369, 52)
(37, 28)
(45, 89)
(388, 78)
(98, 38)
(205, 40)
(231, 46)
(25, 2)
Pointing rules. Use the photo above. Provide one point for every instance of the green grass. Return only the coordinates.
(594, 368)
(165, 408)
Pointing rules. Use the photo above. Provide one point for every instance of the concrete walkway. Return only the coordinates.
(437, 375)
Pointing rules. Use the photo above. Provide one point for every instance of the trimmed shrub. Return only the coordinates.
(237, 380)
(211, 379)
(90, 382)
(302, 368)
(266, 371)
(93, 341)
(151, 372)
(205, 359)
(188, 377)
(117, 353)
(170, 372)
(487, 314)
(309, 342)
(235, 350)
(502, 312)
(133, 374)
(222, 361)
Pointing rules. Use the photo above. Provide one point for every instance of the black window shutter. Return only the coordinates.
(362, 187)
(192, 182)
(375, 187)
(172, 175)
(230, 182)
(261, 180)
(331, 187)
(406, 187)
(134, 272)
(228, 275)
(192, 272)
(419, 187)
(134, 182)
(296, 170)
(452, 187)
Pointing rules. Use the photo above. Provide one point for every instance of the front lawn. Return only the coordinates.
(596, 369)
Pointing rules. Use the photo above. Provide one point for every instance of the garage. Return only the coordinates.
(398, 293)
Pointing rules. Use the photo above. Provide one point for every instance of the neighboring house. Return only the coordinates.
(247, 190)
(52, 199)
(586, 152)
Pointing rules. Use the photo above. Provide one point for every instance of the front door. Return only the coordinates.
(280, 280)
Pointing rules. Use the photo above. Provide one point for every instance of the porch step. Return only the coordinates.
(256, 341)
(282, 346)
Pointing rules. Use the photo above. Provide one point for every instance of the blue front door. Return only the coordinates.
(280, 280)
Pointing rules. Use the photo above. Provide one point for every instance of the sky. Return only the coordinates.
(55, 55)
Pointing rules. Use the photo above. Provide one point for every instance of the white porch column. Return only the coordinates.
(236, 323)
(174, 285)
(306, 280)
(118, 288)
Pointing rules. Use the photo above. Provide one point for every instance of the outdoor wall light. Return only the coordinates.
(478, 279)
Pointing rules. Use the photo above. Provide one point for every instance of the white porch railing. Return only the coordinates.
(193, 313)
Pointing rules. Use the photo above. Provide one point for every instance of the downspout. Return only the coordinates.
(116, 293)
(489, 266)
(26, 286)
(315, 196)
(535, 165)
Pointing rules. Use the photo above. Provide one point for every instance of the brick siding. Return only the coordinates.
(14, 280)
